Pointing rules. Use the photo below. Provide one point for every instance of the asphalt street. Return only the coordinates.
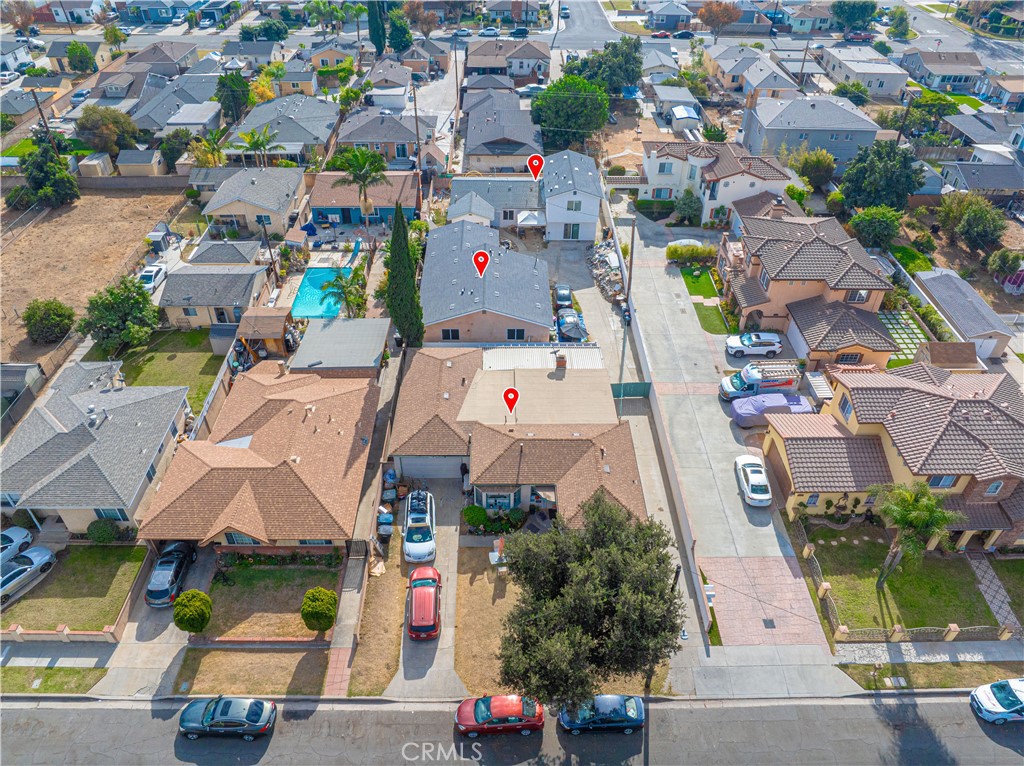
(928, 731)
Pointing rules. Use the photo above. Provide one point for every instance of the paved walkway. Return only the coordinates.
(937, 651)
(992, 589)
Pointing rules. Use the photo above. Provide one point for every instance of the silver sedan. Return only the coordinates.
(23, 569)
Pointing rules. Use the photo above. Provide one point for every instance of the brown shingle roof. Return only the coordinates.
(285, 461)
(404, 189)
(834, 325)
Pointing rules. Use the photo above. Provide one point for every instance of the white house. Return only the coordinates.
(13, 53)
(861, 64)
(76, 11)
(572, 196)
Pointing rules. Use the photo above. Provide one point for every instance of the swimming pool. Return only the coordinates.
(307, 300)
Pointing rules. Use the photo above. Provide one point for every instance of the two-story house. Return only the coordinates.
(572, 196)
(853, 63)
(523, 60)
(424, 55)
(517, 11)
(943, 70)
(334, 51)
(393, 136)
(746, 70)
(961, 433)
(825, 122)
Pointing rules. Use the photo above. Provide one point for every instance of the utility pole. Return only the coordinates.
(67, 18)
(906, 114)
(625, 330)
(46, 125)
(803, 62)
(416, 120)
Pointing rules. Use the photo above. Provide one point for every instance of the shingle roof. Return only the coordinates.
(813, 113)
(946, 61)
(370, 126)
(812, 249)
(236, 48)
(674, 93)
(215, 176)
(514, 285)
(489, 82)
(59, 48)
(341, 343)
(29, 83)
(969, 313)
(211, 286)
(570, 171)
(498, 52)
(500, 193)
(56, 458)
(508, 132)
(983, 176)
(295, 119)
(18, 102)
(471, 204)
(492, 100)
(404, 189)
(136, 156)
(389, 73)
(212, 251)
(985, 127)
(268, 188)
(655, 58)
(188, 89)
(284, 462)
(164, 51)
(834, 325)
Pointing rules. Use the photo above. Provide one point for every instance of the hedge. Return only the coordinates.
(693, 255)
(319, 609)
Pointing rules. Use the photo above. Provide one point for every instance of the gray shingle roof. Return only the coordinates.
(970, 315)
(813, 113)
(834, 325)
(341, 343)
(506, 132)
(187, 89)
(9, 45)
(296, 119)
(17, 102)
(211, 286)
(268, 188)
(471, 204)
(236, 48)
(211, 175)
(489, 81)
(514, 284)
(985, 127)
(492, 100)
(59, 48)
(241, 253)
(500, 193)
(571, 171)
(57, 459)
(372, 126)
(982, 176)
(136, 156)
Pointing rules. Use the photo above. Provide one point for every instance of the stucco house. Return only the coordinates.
(943, 70)
(146, 162)
(304, 127)
(57, 52)
(339, 205)
(852, 63)
(522, 60)
(253, 52)
(393, 136)
(826, 122)
(257, 198)
(834, 332)
(208, 295)
(500, 141)
(746, 70)
(166, 58)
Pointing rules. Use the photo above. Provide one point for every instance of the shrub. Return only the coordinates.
(232, 234)
(192, 195)
(20, 197)
(21, 518)
(693, 255)
(475, 515)
(876, 226)
(192, 611)
(924, 242)
(47, 321)
(836, 203)
(319, 609)
(934, 322)
(516, 517)
(616, 170)
(910, 259)
(102, 531)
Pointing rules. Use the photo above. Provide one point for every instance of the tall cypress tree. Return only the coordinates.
(378, 32)
(403, 300)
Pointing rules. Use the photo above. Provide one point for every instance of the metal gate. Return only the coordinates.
(635, 390)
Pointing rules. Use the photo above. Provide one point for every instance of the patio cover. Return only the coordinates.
(264, 322)
(532, 218)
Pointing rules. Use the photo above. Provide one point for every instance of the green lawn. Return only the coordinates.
(172, 358)
(911, 35)
(940, 8)
(189, 219)
(911, 259)
(711, 319)
(85, 590)
(933, 594)
(894, 363)
(1011, 574)
(25, 145)
(702, 285)
(934, 675)
(19, 680)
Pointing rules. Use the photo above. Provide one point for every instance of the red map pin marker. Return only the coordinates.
(511, 397)
(536, 165)
(480, 260)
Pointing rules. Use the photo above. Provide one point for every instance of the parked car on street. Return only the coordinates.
(753, 480)
(499, 715)
(752, 411)
(8, 77)
(1000, 702)
(152, 277)
(463, 32)
(167, 579)
(23, 569)
(519, 33)
(14, 541)
(858, 37)
(489, 32)
(606, 712)
(683, 34)
(564, 13)
(753, 344)
(79, 96)
(125, 30)
(661, 34)
(424, 604)
(419, 528)
(227, 716)
(563, 297)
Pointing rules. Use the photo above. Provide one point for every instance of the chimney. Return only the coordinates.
(778, 209)
(561, 362)
(282, 368)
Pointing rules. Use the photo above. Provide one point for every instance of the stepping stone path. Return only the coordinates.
(856, 542)
(820, 542)
(898, 682)
(842, 539)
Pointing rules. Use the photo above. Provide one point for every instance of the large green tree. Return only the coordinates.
(403, 299)
(377, 27)
(570, 110)
(362, 168)
(971, 217)
(882, 173)
(877, 226)
(106, 129)
(49, 177)
(618, 65)
(899, 19)
(855, 91)
(47, 320)
(594, 602)
(934, 104)
(853, 14)
(233, 95)
(399, 34)
(816, 165)
(123, 314)
(80, 58)
(174, 145)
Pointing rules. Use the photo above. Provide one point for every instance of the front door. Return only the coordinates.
(401, 151)
(571, 231)
(346, 215)
(222, 316)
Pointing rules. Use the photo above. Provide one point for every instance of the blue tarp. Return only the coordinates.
(631, 91)
(309, 228)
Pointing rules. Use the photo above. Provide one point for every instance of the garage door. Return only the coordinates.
(986, 347)
(796, 339)
(430, 467)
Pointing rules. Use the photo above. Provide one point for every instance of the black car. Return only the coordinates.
(227, 716)
(167, 580)
(519, 33)
(606, 712)
(683, 34)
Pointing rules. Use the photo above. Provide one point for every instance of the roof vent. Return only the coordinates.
(607, 468)
(91, 408)
(448, 363)
(576, 433)
(92, 420)
(295, 459)
(445, 396)
(253, 181)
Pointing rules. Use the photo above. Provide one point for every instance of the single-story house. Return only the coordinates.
(486, 82)
(161, 11)
(997, 183)
(518, 11)
(1006, 91)
(206, 181)
(145, 162)
(56, 84)
(339, 347)
(510, 198)
(203, 296)
(940, 70)
(21, 106)
(76, 11)
(500, 141)
(671, 16)
(225, 253)
(331, 204)
(301, 81)
(57, 52)
(166, 58)
(303, 126)
(471, 207)
(256, 199)
(393, 136)
(968, 314)
(833, 332)
(253, 52)
(13, 53)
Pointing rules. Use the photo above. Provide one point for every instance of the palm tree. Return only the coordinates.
(318, 12)
(355, 12)
(260, 143)
(348, 291)
(363, 168)
(207, 151)
(917, 514)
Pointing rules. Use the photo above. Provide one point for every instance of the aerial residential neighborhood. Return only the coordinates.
(504, 381)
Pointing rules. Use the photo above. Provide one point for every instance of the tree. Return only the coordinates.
(273, 29)
(797, 193)
(47, 320)
(713, 132)
(261, 90)
(854, 90)
(882, 47)
(403, 300)
(233, 94)
(934, 104)
(399, 34)
(319, 13)
(899, 27)
(982, 225)
(114, 37)
(917, 514)
(570, 110)
(363, 168)
(319, 609)
(689, 208)
(619, 65)
(49, 177)
(6, 123)
(817, 165)
(192, 611)
(80, 58)
(425, 21)
(106, 129)
(877, 226)
(836, 203)
(1004, 262)
(348, 291)
(259, 143)
(206, 152)
(893, 119)
(882, 173)
(582, 592)
(377, 28)
(355, 11)
(192, 19)
(121, 314)
(174, 145)
(19, 13)
(717, 16)
(853, 14)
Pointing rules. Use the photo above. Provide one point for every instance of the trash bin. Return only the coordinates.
(384, 532)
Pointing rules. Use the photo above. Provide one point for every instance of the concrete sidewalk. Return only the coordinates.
(932, 651)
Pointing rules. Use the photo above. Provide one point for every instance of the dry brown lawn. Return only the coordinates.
(375, 661)
(252, 671)
(71, 253)
(623, 137)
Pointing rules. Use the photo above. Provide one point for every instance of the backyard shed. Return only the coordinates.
(339, 347)
(266, 326)
(96, 164)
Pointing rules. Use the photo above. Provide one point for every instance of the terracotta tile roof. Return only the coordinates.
(730, 159)
(834, 325)
(285, 461)
(1013, 506)
(762, 204)
(950, 355)
(824, 456)
(943, 422)
(977, 515)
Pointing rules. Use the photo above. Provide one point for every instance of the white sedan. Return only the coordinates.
(753, 480)
(14, 541)
(152, 277)
(490, 32)
(419, 529)
(1000, 702)
(205, 23)
(753, 344)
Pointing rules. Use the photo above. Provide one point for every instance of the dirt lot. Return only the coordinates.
(70, 254)
(617, 139)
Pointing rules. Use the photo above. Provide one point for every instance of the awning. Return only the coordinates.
(546, 493)
(264, 322)
(531, 218)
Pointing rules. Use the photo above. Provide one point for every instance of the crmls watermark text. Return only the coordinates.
(439, 752)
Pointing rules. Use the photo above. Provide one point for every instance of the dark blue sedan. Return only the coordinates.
(606, 712)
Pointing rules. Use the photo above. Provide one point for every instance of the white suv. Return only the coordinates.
(753, 344)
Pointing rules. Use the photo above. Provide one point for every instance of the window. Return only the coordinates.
(849, 358)
(849, 136)
(994, 488)
(802, 136)
(833, 136)
(857, 296)
(664, 168)
(870, 499)
(316, 542)
(693, 173)
(508, 215)
(117, 514)
(452, 334)
(662, 194)
(764, 279)
(236, 538)
(189, 312)
(574, 205)
(571, 231)
(515, 333)
(295, 85)
(151, 471)
(812, 500)
(941, 482)
(845, 407)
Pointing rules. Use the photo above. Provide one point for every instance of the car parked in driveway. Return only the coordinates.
(752, 411)
(206, 23)
(753, 344)
(999, 702)
(167, 580)
(14, 541)
(606, 712)
(753, 480)
(79, 96)
(227, 716)
(419, 528)
(424, 604)
(152, 277)
(563, 297)
(531, 90)
(499, 715)
(23, 569)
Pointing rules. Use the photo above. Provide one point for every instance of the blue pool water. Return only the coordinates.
(307, 300)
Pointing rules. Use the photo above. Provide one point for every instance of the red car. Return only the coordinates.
(499, 715)
(424, 604)
(661, 34)
(858, 37)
